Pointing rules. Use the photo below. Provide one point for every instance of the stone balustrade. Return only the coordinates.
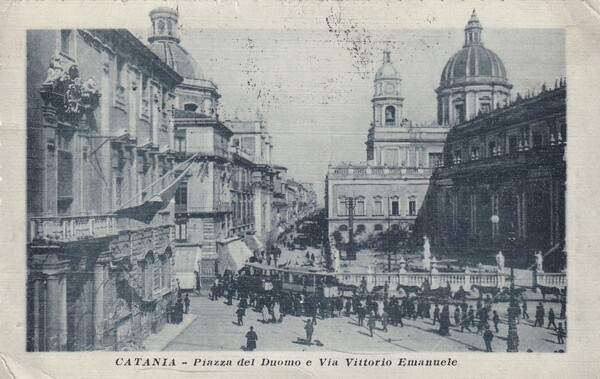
(546, 279)
(377, 172)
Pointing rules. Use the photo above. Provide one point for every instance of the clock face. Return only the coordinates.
(389, 88)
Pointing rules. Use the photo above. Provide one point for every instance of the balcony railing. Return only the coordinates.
(77, 228)
(205, 208)
(378, 172)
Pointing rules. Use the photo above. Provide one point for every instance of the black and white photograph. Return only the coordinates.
(360, 184)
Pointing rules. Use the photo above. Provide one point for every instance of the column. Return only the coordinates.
(100, 271)
(56, 315)
(552, 212)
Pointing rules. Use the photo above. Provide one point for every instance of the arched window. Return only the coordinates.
(390, 115)
(395, 227)
(378, 227)
(360, 228)
(191, 107)
(343, 228)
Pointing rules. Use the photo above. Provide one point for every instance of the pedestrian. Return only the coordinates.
(488, 336)
(309, 329)
(457, 316)
(384, 321)
(539, 315)
(496, 320)
(241, 312)
(465, 322)
(348, 308)
(563, 309)
(524, 310)
(471, 316)
(179, 310)
(445, 321)
(277, 318)
(371, 323)
(551, 318)
(186, 302)
(361, 314)
(169, 312)
(560, 333)
(230, 296)
(265, 313)
(436, 314)
(251, 339)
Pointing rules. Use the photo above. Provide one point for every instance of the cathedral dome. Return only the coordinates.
(164, 42)
(177, 58)
(473, 64)
(387, 69)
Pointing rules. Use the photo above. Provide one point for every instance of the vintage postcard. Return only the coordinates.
(307, 189)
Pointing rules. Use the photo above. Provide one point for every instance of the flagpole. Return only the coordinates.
(190, 161)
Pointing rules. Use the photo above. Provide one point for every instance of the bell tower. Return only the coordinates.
(387, 100)
(164, 25)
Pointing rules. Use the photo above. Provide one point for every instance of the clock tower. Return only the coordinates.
(387, 100)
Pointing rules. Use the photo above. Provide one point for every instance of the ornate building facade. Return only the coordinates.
(501, 185)
(98, 117)
(389, 189)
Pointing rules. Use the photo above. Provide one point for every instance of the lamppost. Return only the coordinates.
(512, 340)
(351, 205)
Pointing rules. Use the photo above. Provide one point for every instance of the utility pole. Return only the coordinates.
(389, 236)
(351, 204)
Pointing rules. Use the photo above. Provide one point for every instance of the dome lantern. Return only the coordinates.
(473, 31)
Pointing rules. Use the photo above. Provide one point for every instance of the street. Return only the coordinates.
(215, 328)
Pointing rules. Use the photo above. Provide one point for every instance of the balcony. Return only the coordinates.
(69, 229)
(78, 228)
(375, 172)
(223, 207)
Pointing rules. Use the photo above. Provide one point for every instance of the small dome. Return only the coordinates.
(177, 58)
(387, 69)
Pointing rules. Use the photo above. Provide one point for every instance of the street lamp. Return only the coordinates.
(351, 205)
(512, 340)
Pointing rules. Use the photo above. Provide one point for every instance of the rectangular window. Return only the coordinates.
(342, 210)
(65, 41)
(412, 208)
(435, 159)
(180, 144)
(460, 113)
(181, 232)
(359, 210)
(395, 208)
(118, 192)
(378, 207)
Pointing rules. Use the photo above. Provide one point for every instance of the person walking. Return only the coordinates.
(465, 322)
(348, 308)
(436, 314)
(551, 318)
(361, 314)
(539, 315)
(251, 338)
(563, 309)
(560, 333)
(265, 313)
(496, 320)
(457, 316)
(471, 316)
(385, 319)
(524, 310)
(186, 302)
(241, 312)
(371, 324)
(309, 329)
(488, 336)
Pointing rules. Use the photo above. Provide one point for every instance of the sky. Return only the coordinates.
(314, 87)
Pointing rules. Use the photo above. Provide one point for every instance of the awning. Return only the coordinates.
(233, 256)
(254, 243)
(186, 263)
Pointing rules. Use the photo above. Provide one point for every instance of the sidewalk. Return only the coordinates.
(158, 341)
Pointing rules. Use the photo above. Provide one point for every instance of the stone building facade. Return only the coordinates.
(98, 117)
(389, 189)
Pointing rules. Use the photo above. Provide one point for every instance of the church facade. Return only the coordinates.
(388, 190)
(502, 182)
